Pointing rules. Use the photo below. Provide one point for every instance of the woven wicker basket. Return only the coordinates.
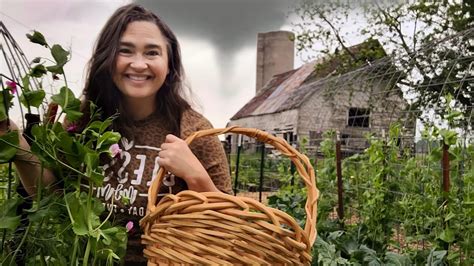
(213, 228)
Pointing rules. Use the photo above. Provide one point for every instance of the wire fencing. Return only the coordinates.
(393, 155)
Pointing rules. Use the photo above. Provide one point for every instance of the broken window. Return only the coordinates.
(358, 117)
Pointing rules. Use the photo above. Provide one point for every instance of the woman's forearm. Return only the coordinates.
(29, 168)
(27, 164)
(201, 183)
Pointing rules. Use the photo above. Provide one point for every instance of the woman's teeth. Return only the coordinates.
(137, 78)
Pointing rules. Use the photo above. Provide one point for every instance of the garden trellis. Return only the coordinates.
(17, 66)
(397, 178)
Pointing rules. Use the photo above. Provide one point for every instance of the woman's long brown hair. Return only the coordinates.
(100, 88)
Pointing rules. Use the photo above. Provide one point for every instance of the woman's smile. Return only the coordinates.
(138, 77)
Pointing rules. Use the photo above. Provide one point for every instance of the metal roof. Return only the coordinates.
(276, 93)
(289, 90)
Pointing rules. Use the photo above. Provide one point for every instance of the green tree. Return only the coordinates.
(418, 36)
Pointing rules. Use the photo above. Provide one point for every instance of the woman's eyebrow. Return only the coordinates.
(148, 46)
(154, 46)
(128, 44)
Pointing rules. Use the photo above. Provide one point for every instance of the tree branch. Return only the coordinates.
(414, 32)
(336, 33)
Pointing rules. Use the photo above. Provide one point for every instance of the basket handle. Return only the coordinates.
(302, 163)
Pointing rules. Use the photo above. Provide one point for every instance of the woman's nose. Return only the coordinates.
(138, 63)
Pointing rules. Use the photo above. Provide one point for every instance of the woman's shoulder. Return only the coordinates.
(192, 121)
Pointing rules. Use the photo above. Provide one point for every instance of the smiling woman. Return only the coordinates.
(136, 70)
(135, 76)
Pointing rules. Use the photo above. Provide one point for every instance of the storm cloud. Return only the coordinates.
(228, 24)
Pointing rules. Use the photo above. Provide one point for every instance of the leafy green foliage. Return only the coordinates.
(65, 226)
(38, 71)
(37, 37)
(277, 171)
(391, 189)
(377, 203)
(69, 103)
(10, 220)
(5, 103)
(32, 98)
(59, 54)
(61, 57)
(292, 201)
(8, 146)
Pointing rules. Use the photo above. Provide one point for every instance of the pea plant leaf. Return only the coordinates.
(26, 82)
(55, 69)
(5, 102)
(38, 38)
(60, 57)
(81, 219)
(107, 139)
(32, 98)
(38, 71)
(7, 146)
(59, 54)
(93, 170)
(100, 126)
(49, 206)
(447, 235)
(8, 214)
(73, 150)
(69, 103)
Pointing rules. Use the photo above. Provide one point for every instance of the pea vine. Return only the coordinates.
(65, 224)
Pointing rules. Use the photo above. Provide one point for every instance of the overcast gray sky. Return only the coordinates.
(229, 27)
(218, 39)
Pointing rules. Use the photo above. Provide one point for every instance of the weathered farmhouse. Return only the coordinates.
(329, 94)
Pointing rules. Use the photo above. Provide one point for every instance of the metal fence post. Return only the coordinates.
(340, 199)
(292, 167)
(445, 169)
(237, 161)
(445, 166)
(262, 165)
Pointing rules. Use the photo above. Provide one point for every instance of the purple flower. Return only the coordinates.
(115, 150)
(71, 128)
(12, 86)
(129, 226)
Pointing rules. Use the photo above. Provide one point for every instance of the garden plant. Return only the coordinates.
(64, 223)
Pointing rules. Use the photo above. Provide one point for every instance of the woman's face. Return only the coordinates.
(141, 65)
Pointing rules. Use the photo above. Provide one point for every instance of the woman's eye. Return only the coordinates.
(124, 51)
(153, 53)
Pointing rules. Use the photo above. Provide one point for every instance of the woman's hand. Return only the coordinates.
(177, 158)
